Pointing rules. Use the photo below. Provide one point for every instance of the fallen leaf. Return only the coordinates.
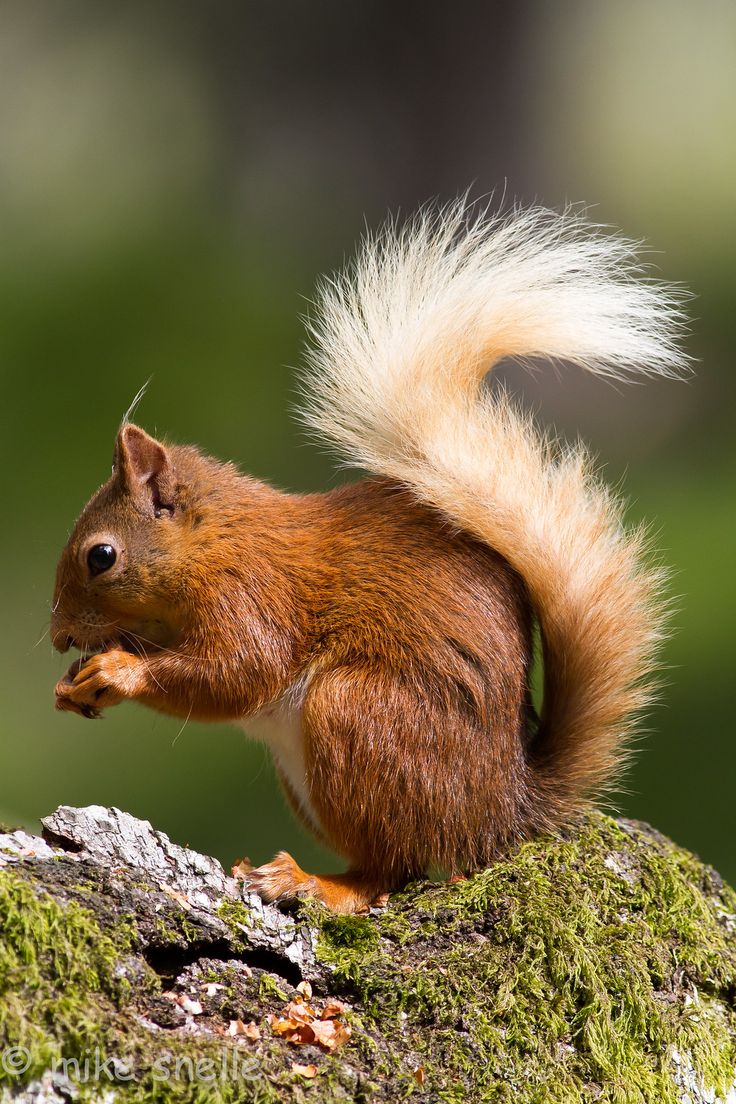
(176, 896)
(247, 1030)
(304, 1071)
(419, 1074)
(302, 1035)
(282, 1026)
(325, 1032)
(299, 1011)
(330, 1034)
(332, 1008)
(342, 1035)
(301, 1025)
(305, 989)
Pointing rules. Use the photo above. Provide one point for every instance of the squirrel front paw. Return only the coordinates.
(102, 680)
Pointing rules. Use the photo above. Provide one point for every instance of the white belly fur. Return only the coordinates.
(280, 727)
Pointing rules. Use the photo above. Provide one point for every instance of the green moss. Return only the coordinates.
(238, 918)
(348, 943)
(551, 977)
(571, 973)
(234, 913)
(63, 1000)
(269, 987)
(165, 933)
(56, 970)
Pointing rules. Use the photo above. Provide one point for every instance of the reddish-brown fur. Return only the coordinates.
(379, 636)
(411, 643)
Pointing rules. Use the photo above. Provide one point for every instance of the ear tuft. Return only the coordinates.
(144, 467)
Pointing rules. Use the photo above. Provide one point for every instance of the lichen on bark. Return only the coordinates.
(597, 966)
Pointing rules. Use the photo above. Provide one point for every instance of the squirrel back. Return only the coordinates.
(402, 343)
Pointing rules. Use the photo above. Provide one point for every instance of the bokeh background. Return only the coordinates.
(172, 179)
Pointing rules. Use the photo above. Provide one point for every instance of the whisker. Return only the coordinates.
(170, 651)
(140, 652)
(56, 603)
(186, 722)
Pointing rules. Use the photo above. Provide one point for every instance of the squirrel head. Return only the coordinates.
(121, 570)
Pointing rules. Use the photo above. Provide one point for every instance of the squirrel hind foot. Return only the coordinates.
(284, 880)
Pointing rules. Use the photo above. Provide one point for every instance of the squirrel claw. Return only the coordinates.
(66, 704)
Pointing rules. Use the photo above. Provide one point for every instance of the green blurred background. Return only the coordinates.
(172, 179)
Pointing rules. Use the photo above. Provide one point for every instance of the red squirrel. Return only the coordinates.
(379, 637)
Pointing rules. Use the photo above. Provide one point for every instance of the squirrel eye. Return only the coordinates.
(101, 557)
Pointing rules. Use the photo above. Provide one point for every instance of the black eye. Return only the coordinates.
(101, 557)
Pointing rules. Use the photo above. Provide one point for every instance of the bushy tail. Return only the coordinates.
(401, 344)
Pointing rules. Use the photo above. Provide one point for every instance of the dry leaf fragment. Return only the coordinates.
(241, 868)
(304, 1071)
(419, 1074)
(305, 989)
(342, 1034)
(282, 1026)
(175, 895)
(299, 1011)
(324, 1033)
(330, 1034)
(247, 1030)
(301, 1025)
(193, 1007)
(303, 1035)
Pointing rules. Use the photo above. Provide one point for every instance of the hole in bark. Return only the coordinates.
(54, 839)
(168, 960)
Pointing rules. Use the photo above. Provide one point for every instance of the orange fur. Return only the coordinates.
(379, 636)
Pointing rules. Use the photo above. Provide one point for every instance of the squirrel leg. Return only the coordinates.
(372, 786)
(180, 684)
(283, 879)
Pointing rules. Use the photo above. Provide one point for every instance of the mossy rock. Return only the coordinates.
(600, 967)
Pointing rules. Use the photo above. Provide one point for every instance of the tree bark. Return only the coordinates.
(598, 966)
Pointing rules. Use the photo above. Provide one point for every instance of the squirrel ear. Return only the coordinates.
(143, 465)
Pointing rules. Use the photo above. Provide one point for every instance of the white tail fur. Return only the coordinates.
(402, 342)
